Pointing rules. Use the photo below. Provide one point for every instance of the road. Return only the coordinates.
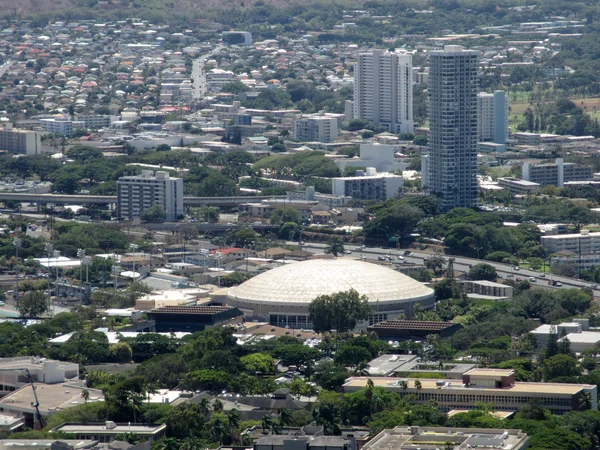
(199, 76)
(461, 264)
(4, 67)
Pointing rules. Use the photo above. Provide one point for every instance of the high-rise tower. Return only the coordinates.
(383, 90)
(452, 111)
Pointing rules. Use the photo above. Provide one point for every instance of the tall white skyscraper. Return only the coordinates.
(383, 91)
(492, 117)
(452, 111)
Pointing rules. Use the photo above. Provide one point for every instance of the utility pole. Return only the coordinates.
(49, 251)
(81, 256)
(17, 241)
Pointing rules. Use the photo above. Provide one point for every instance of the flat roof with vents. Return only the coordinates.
(191, 309)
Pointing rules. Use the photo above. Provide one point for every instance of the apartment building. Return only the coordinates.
(64, 126)
(492, 117)
(368, 185)
(452, 141)
(217, 78)
(383, 90)
(315, 128)
(20, 142)
(491, 386)
(578, 243)
(557, 173)
(136, 194)
(96, 121)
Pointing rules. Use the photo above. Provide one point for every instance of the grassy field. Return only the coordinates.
(591, 105)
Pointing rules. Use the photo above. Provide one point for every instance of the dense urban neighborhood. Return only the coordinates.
(299, 225)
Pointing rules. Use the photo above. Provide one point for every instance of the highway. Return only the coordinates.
(461, 264)
(107, 199)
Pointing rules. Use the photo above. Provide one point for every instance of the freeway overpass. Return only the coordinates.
(107, 199)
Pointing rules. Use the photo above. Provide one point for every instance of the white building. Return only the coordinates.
(452, 112)
(61, 126)
(380, 156)
(492, 117)
(369, 185)
(12, 372)
(383, 90)
(578, 243)
(315, 127)
(94, 120)
(217, 78)
(139, 193)
(21, 142)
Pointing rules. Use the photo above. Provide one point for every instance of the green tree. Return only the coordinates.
(335, 246)
(258, 363)
(32, 304)
(561, 366)
(156, 213)
(482, 271)
(283, 215)
(121, 352)
(340, 311)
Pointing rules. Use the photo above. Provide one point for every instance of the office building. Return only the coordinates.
(315, 128)
(578, 332)
(368, 185)
(413, 329)
(64, 127)
(383, 90)
(486, 289)
(237, 37)
(557, 173)
(491, 386)
(452, 141)
(430, 438)
(20, 142)
(492, 117)
(136, 194)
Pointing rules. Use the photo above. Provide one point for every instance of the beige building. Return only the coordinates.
(20, 142)
(492, 386)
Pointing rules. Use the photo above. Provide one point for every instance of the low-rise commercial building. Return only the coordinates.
(404, 329)
(492, 386)
(63, 127)
(108, 431)
(94, 120)
(48, 371)
(518, 186)
(282, 442)
(369, 185)
(383, 157)
(429, 438)
(487, 289)
(193, 318)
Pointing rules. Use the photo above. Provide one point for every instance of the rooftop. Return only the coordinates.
(189, 310)
(35, 444)
(413, 325)
(52, 398)
(110, 428)
(426, 383)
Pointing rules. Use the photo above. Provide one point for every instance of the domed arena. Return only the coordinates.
(282, 296)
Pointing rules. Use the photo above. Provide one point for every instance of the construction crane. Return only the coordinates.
(36, 403)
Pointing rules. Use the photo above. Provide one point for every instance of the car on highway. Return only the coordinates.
(348, 252)
(381, 258)
(401, 258)
(532, 279)
(517, 268)
(542, 275)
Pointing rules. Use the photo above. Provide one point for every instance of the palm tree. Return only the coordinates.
(361, 370)
(217, 405)
(403, 385)
(267, 424)
(190, 443)
(418, 384)
(151, 389)
(585, 401)
(85, 394)
(204, 406)
(285, 416)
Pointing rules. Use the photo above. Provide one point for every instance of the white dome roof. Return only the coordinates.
(302, 282)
